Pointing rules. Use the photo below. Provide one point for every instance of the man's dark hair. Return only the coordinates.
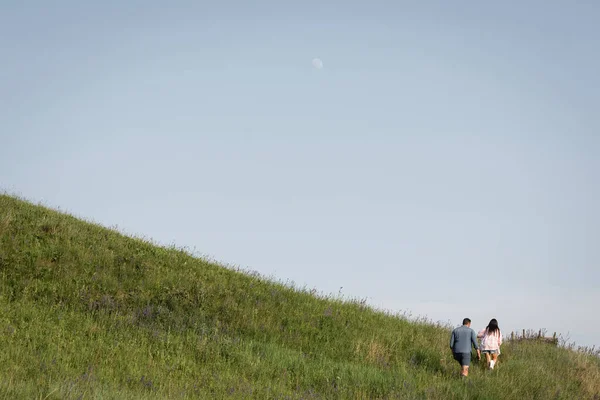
(466, 321)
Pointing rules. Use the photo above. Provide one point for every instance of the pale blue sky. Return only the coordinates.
(445, 160)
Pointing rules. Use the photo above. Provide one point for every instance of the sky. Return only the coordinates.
(443, 162)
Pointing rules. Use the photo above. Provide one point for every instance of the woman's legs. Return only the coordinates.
(494, 360)
(487, 359)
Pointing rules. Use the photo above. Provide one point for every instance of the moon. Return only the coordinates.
(317, 63)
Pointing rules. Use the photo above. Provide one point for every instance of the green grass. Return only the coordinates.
(86, 312)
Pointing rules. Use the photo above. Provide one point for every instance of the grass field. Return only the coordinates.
(88, 313)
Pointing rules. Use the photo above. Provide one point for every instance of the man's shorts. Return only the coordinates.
(464, 359)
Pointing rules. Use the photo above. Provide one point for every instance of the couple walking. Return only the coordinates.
(463, 337)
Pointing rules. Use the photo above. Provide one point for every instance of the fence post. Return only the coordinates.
(523, 333)
(512, 336)
(540, 334)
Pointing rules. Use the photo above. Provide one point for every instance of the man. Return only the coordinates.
(460, 342)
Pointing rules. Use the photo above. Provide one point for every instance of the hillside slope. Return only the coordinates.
(86, 312)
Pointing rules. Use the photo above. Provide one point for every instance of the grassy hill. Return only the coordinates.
(86, 312)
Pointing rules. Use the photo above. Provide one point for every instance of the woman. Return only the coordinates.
(491, 339)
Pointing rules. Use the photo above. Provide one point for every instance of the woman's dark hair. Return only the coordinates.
(493, 326)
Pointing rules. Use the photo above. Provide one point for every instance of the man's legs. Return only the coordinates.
(464, 359)
(465, 371)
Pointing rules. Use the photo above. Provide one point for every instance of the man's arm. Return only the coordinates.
(452, 341)
(475, 344)
(474, 340)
